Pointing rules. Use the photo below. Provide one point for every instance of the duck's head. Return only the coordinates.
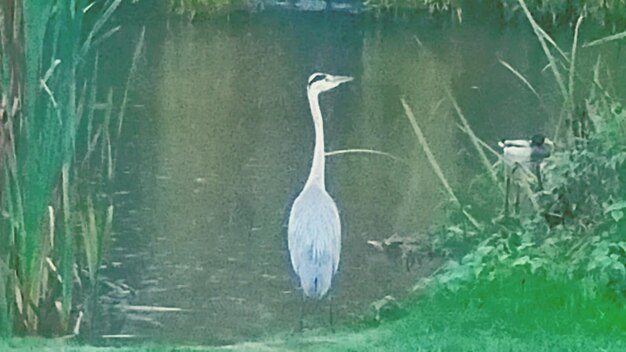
(540, 140)
(537, 140)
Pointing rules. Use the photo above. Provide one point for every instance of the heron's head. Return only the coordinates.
(321, 82)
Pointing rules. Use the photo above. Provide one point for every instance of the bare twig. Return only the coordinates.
(367, 151)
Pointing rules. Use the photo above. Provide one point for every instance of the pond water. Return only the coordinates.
(218, 142)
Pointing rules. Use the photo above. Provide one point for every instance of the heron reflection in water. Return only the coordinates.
(314, 229)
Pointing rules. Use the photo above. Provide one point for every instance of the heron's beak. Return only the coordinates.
(341, 79)
(549, 142)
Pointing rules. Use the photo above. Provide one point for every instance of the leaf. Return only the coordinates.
(619, 267)
(617, 215)
(521, 261)
(483, 250)
(456, 230)
(536, 264)
(615, 206)
(18, 300)
(477, 270)
(525, 245)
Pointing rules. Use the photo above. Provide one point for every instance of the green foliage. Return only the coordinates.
(192, 8)
(546, 12)
(567, 11)
(519, 312)
(50, 227)
(583, 239)
(577, 236)
(525, 305)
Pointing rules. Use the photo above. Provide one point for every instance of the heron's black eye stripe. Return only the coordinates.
(317, 78)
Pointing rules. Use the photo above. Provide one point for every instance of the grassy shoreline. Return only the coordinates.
(472, 320)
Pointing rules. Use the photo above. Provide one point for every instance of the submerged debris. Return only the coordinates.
(409, 249)
(385, 307)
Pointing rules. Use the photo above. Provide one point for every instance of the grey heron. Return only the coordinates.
(525, 153)
(314, 228)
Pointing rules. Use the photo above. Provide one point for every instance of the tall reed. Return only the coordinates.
(434, 164)
(52, 227)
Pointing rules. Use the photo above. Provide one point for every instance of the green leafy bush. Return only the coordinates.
(581, 233)
(192, 8)
(566, 11)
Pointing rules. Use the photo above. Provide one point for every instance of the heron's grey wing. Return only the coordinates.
(314, 231)
(325, 228)
(301, 230)
(336, 236)
(295, 241)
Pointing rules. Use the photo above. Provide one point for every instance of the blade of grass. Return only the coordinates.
(109, 157)
(106, 35)
(433, 162)
(106, 136)
(572, 74)
(474, 140)
(527, 83)
(131, 76)
(92, 100)
(5, 315)
(481, 142)
(90, 237)
(605, 40)
(110, 6)
(105, 237)
(540, 34)
(67, 247)
(51, 225)
(520, 76)
(552, 42)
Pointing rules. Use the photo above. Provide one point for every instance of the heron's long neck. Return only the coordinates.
(317, 168)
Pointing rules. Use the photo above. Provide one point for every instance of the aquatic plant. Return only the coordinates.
(54, 228)
(554, 12)
(192, 8)
(546, 12)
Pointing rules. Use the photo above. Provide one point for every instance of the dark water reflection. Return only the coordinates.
(222, 143)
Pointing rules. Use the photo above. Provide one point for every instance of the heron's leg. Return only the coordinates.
(302, 313)
(330, 316)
